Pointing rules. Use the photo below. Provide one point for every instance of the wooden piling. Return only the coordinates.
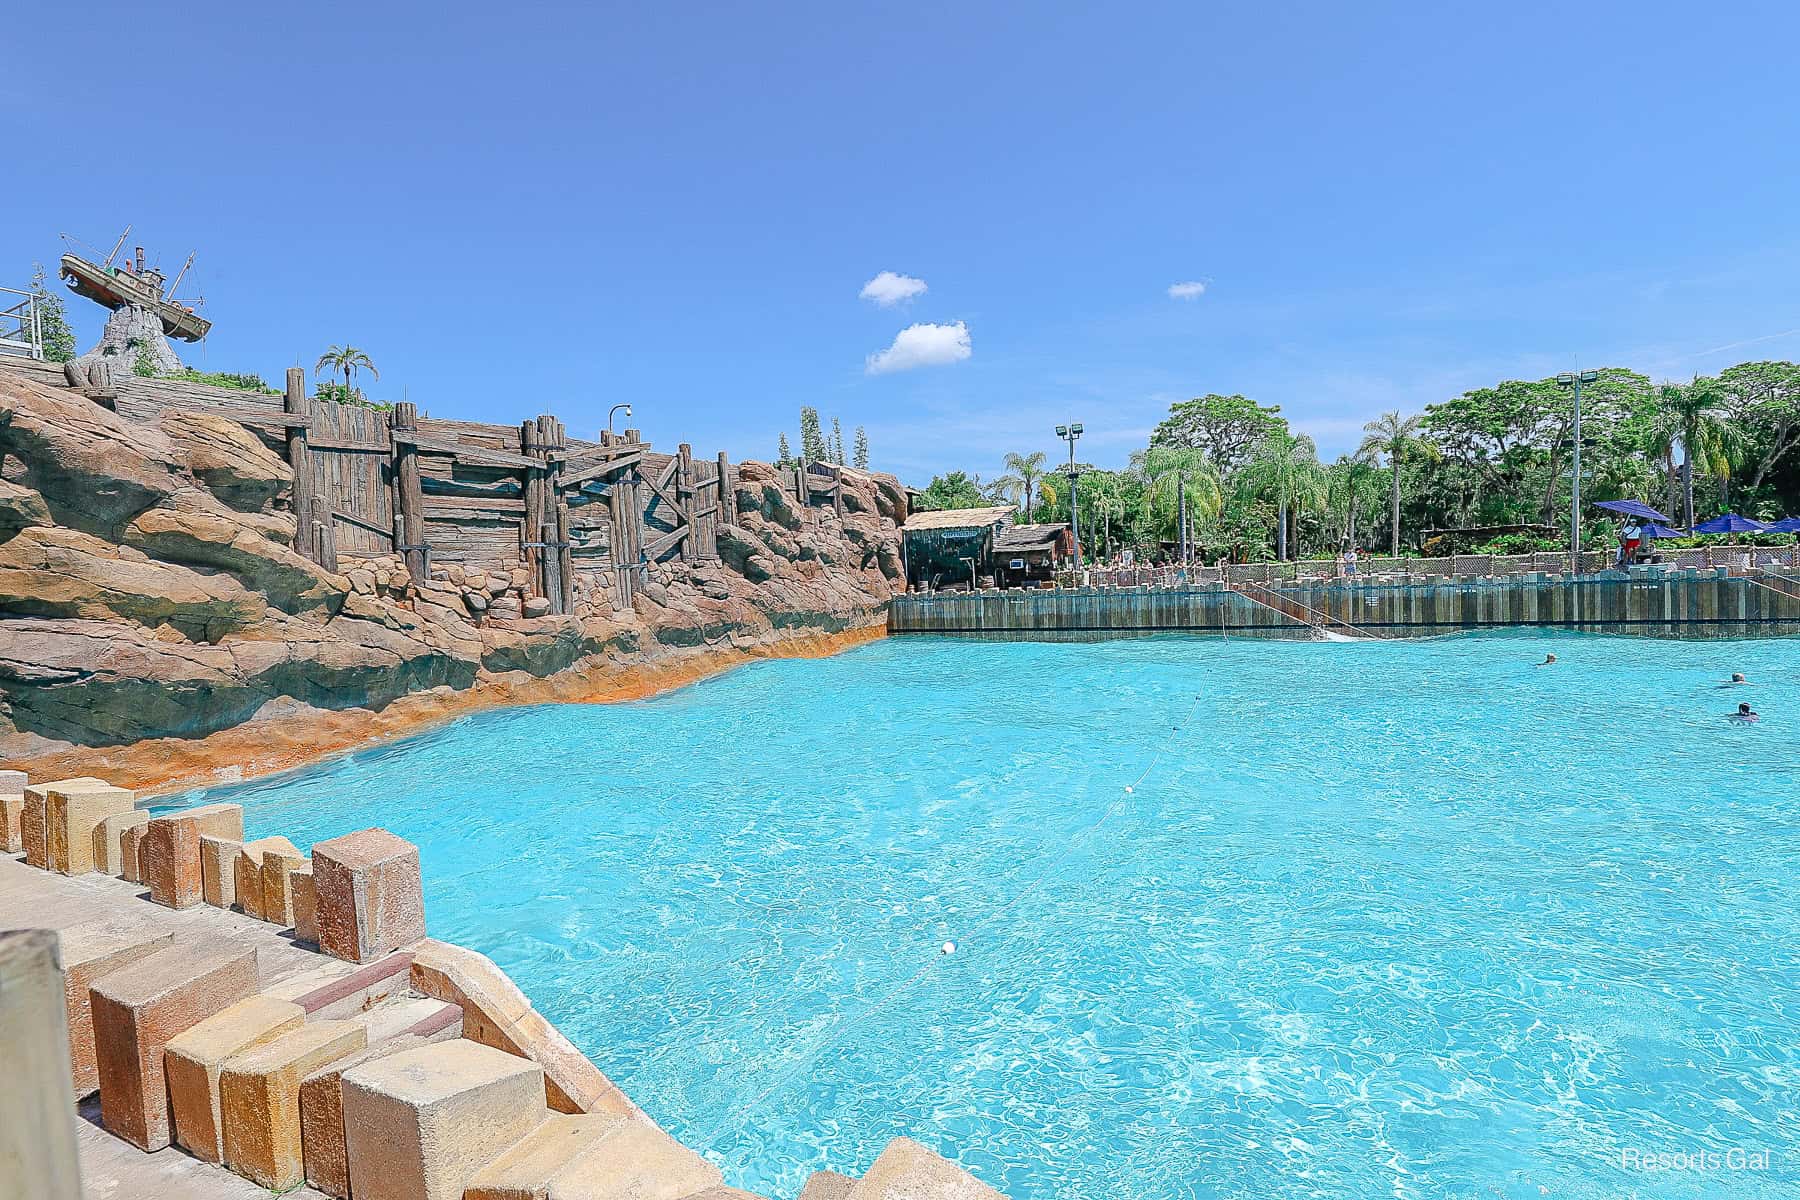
(299, 405)
(409, 497)
(684, 499)
(727, 494)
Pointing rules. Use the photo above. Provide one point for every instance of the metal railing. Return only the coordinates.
(21, 325)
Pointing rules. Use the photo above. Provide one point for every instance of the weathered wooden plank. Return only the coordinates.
(596, 471)
(491, 458)
(454, 507)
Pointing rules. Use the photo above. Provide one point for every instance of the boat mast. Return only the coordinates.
(117, 246)
(184, 270)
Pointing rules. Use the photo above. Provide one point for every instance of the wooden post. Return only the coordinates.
(837, 491)
(299, 405)
(684, 496)
(531, 525)
(564, 597)
(727, 494)
(37, 1105)
(409, 497)
(325, 536)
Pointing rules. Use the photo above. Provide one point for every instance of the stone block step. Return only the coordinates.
(90, 952)
(34, 817)
(368, 896)
(419, 1124)
(109, 855)
(138, 1009)
(906, 1170)
(259, 1099)
(247, 871)
(194, 1060)
(218, 870)
(524, 1171)
(72, 814)
(633, 1160)
(827, 1185)
(322, 1116)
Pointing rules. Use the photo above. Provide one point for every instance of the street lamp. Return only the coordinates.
(1069, 433)
(1574, 379)
(613, 412)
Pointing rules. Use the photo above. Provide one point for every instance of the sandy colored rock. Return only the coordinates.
(218, 870)
(247, 871)
(129, 840)
(90, 952)
(278, 867)
(633, 1160)
(369, 897)
(827, 1185)
(524, 1170)
(13, 783)
(496, 1013)
(908, 1171)
(72, 813)
(322, 1116)
(169, 861)
(195, 1058)
(259, 1099)
(419, 1124)
(138, 1009)
(215, 820)
(305, 904)
(34, 816)
(12, 812)
(109, 855)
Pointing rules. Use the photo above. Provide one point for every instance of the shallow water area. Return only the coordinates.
(1399, 919)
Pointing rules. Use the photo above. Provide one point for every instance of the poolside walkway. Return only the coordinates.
(111, 1168)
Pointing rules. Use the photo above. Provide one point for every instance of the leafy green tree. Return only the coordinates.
(53, 322)
(1763, 398)
(812, 439)
(1020, 482)
(1168, 473)
(837, 442)
(1693, 416)
(349, 360)
(1225, 428)
(1394, 438)
(954, 489)
(861, 459)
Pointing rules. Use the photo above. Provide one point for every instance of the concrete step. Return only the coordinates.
(259, 1099)
(634, 1160)
(524, 1171)
(907, 1171)
(195, 1058)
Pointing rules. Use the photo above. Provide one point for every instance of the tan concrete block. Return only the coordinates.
(129, 838)
(496, 1013)
(12, 783)
(634, 1160)
(138, 1009)
(218, 870)
(419, 1124)
(216, 820)
(907, 1169)
(277, 895)
(39, 1156)
(109, 856)
(247, 871)
(90, 952)
(169, 861)
(259, 1099)
(322, 1116)
(524, 1171)
(369, 898)
(73, 811)
(827, 1185)
(306, 904)
(195, 1058)
(34, 817)
(12, 812)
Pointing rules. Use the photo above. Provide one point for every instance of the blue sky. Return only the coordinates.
(556, 207)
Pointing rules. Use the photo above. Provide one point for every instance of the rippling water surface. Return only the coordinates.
(1383, 920)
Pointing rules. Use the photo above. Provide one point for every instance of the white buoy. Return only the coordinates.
(949, 947)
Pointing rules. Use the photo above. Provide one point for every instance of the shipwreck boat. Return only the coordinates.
(127, 284)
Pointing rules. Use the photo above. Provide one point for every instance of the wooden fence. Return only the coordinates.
(370, 482)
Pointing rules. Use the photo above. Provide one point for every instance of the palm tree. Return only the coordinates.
(1178, 478)
(347, 359)
(1024, 472)
(1693, 415)
(1285, 468)
(1393, 437)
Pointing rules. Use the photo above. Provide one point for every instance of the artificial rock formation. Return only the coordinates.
(156, 620)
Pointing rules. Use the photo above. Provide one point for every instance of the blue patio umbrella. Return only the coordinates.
(1631, 508)
(1652, 530)
(1785, 525)
(1731, 523)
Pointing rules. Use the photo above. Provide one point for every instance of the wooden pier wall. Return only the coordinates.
(1669, 604)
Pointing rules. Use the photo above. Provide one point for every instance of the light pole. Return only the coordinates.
(613, 412)
(1574, 379)
(1069, 433)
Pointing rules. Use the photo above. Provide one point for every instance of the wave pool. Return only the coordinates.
(1376, 920)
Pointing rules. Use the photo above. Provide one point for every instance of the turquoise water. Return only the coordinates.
(1382, 920)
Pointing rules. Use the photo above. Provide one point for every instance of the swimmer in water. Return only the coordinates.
(1745, 714)
(1549, 659)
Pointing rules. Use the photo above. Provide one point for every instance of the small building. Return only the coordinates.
(954, 548)
(1026, 555)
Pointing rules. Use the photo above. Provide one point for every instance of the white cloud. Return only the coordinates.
(889, 288)
(1193, 289)
(923, 346)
